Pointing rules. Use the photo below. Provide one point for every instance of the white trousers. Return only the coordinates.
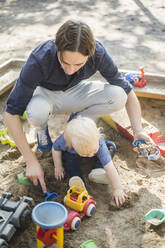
(90, 99)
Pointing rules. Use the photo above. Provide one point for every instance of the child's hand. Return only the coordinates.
(119, 197)
(59, 172)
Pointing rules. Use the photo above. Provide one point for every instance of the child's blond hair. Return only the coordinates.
(82, 134)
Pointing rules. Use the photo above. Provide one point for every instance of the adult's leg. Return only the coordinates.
(39, 109)
(91, 99)
(94, 99)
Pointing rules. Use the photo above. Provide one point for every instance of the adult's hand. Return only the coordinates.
(34, 172)
(142, 135)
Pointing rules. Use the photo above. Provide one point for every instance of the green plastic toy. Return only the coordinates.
(88, 244)
(156, 216)
(24, 117)
(22, 179)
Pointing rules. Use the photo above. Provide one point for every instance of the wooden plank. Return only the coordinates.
(149, 95)
(9, 72)
(155, 86)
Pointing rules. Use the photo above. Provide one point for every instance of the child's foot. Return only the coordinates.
(98, 176)
(76, 181)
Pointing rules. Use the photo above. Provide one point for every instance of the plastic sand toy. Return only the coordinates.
(50, 217)
(5, 137)
(24, 116)
(147, 150)
(14, 215)
(22, 179)
(88, 244)
(159, 141)
(156, 216)
(137, 80)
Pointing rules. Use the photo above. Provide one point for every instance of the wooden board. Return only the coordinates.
(155, 86)
(9, 72)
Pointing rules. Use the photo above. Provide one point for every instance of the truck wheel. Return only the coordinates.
(75, 223)
(3, 243)
(25, 219)
(90, 210)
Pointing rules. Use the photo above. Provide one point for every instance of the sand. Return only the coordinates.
(134, 34)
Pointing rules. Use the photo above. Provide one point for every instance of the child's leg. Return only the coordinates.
(72, 164)
(97, 165)
(98, 174)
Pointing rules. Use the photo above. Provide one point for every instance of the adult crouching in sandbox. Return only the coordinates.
(53, 81)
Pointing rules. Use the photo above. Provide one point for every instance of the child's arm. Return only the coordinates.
(58, 167)
(118, 193)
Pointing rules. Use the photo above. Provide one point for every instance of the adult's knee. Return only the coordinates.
(117, 97)
(38, 111)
